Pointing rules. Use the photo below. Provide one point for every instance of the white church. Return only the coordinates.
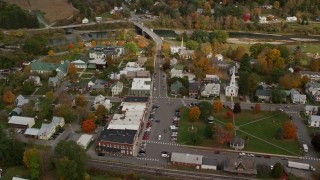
(232, 88)
(177, 49)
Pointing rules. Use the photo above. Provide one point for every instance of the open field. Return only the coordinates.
(53, 10)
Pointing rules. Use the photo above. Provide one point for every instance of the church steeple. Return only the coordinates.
(233, 77)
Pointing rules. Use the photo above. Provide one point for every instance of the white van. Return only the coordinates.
(305, 148)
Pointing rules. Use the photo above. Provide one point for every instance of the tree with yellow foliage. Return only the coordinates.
(51, 53)
(8, 97)
(165, 49)
(194, 113)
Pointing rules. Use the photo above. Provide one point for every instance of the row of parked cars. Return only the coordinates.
(175, 125)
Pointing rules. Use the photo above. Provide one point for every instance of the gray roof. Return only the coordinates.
(311, 108)
(186, 158)
(237, 140)
(194, 86)
(32, 131)
(310, 73)
(97, 86)
(209, 161)
(263, 92)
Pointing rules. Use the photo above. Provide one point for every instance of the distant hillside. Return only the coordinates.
(53, 10)
(13, 17)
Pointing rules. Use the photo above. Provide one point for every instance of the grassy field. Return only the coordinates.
(86, 76)
(53, 10)
(17, 171)
(259, 128)
(42, 90)
(264, 126)
(58, 58)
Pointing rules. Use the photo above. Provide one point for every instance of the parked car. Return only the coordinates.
(143, 145)
(173, 138)
(158, 120)
(242, 154)
(165, 154)
(251, 155)
(159, 137)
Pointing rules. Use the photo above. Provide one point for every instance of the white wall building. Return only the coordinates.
(101, 100)
(297, 98)
(85, 21)
(232, 88)
(117, 89)
(79, 64)
(314, 121)
(211, 89)
(141, 86)
(47, 130)
(292, 19)
(21, 122)
(176, 73)
(85, 140)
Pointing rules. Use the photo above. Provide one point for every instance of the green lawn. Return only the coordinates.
(106, 15)
(17, 171)
(265, 128)
(185, 124)
(86, 76)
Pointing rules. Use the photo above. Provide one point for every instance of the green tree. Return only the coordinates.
(34, 168)
(191, 44)
(36, 45)
(28, 88)
(200, 36)
(277, 170)
(278, 96)
(279, 134)
(131, 47)
(67, 112)
(67, 169)
(208, 131)
(205, 110)
(245, 64)
(74, 156)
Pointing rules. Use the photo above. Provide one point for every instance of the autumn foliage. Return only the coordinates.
(72, 69)
(194, 113)
(142, 42)
(8, 97)
(70, 46)
(217, 106)
(229, 114)
(88, 126)
(257, 108)
(289, 130)
(230, 128)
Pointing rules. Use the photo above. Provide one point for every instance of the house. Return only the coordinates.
(292, 19)
(219, 57)
(20, 101)
(143, 74)
(188, 160)
(234, 68)
(140, 87)
(219, 63)
(116, 142)
(79, 64)
(263, 20)
(101, 100)
(211, 89)
(116, 10)
(232, 88)
(117, 88)
(313, 90)
(190, 76)
(21, 122)
(98, 88)
(176, 73)
(199, 10)
(194, 89)
(240, 165)
(264, 95)
(212, 79)
(36, 80)
(177, 49)
(47, 130)
(173, 61)
(98, 55)
(312, 75)
(237, 143)
(310, 110)
(175, 87)
(85, 21)
(43, 67)
(98, 19)
(297, 98)
(85, 140)
(186, 53)
(56, 80)
(15, 112)
(32, 133)
(314, 121)
(63, 67)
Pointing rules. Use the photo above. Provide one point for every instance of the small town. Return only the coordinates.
(159, 90)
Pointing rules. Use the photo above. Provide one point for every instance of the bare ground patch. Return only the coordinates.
(54, 9)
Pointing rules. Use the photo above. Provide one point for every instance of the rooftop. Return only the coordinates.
(135, 99)
(119, 136)
(20, 120)
(186, 158)
(141, 84)
(240, 165)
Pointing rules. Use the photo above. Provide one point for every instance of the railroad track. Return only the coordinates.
(172, 173)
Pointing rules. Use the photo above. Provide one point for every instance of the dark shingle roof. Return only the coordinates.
(119, 136)
(135, 99)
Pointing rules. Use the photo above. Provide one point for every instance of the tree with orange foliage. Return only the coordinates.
(257, 108)
(289, 81)
(70, 46)
(207, 8)
(72, 69)
(289, 130)
(142, 42)
(229, 114)
(26, 69)
(230, 128)
(88, 126)
(51, 53)
(93, 43)
(120, 43)
(194, 113)
(8, 97)
(217, 106)
(165, 49)
(80, 44)
(239, 52)
(81, 101)
(92, 116)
